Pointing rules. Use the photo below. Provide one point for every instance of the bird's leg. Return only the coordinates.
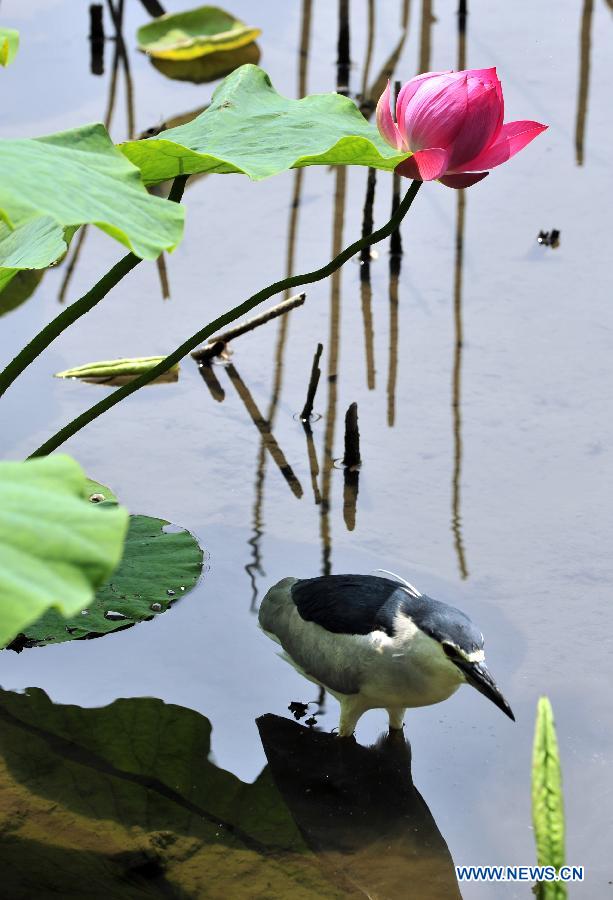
(396, 714)
(351, 710)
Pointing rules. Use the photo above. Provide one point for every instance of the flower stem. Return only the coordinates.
(77, 309)
(200, 336)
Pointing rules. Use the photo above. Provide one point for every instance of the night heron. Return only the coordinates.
(375, 642)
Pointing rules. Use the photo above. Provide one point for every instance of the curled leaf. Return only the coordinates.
(119, 371)
(9, 45)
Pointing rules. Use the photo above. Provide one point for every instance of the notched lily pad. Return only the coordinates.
(158, 567)
(115, 372)
(251, 129)
(195, 33)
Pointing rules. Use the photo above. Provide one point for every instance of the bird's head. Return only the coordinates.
(471, 663)
(461, 644)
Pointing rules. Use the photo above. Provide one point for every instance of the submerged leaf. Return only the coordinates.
(158, 567)
(9, 45)
(195, 33)
(119, 371)
(126, 802)
(56, 548)
(207, 68)
(547, 800)
(97, 186)
(251, 129)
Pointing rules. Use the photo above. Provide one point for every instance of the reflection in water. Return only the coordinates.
(456, 520)
(368, 103)
(120, 55)
(425, 36)
(392, 368)
(365, 286)
(358, 809)
(340, 176)
(585, 42)
(370, 40)
(343, 62)
(306, 417)
(292, 231)
(124, 801)
(269, 441)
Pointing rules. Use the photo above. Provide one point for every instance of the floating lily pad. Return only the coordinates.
(158, 567)
(197, 32)
(98, 186)
(9, 45)
(251, 129)
(56, 548)
(207, 68)
(116, 372)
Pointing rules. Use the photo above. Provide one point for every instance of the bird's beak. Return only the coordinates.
(477, 674)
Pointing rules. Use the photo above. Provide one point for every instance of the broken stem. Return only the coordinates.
(212, 349)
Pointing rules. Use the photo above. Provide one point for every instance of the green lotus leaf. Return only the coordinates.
(195, 33)
(251, 129)
(56, 548)
(9, 45)
(158, 567)
(51, 185)
(33, 245)
(119, 371)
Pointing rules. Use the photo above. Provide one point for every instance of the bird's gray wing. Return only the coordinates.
(350, 604)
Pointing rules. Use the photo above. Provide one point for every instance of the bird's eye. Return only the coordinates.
(451, 651)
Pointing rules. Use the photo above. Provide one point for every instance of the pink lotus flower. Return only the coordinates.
(452, 124)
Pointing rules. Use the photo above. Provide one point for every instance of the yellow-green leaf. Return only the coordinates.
(547, 800)
(197, 32)
(119, 371)
(9, 45)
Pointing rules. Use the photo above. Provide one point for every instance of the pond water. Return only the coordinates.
(486, 482)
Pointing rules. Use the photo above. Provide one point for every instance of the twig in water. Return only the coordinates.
(367, 223)
(307, 410)
(154, 8)
(343, 61)
(352, 459)
(395, 239)
(163, 275)
(96, 38)
(209, 350)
